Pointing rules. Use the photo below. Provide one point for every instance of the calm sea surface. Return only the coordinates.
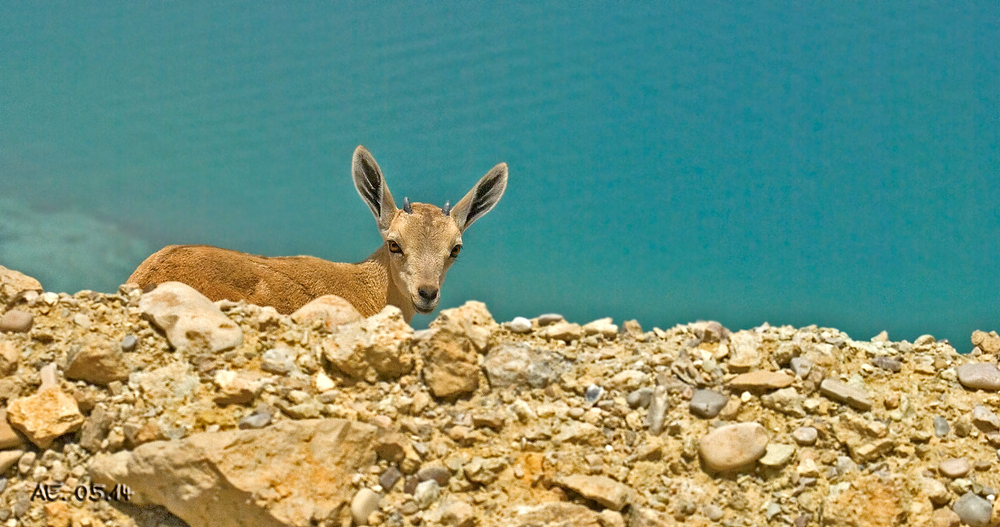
(834, 164)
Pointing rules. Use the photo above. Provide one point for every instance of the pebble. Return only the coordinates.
(520, 325)
(258, 419)
(601, 489)
(732, 447)
(761, 380)
(549, 318)
(985, 419)
(979, 376)
(26, 462)
(592, 394)
(707, 403)
(8, 458)
(941, 427)
(805, 435)
(888, 364)
(129, 343)
(973, 510)
(844, 393)
(777, 455)
(364, 503)
(639, 398)
(955, 467)
(801, 366)
(389, 478)
(438, 473)
(16, 321)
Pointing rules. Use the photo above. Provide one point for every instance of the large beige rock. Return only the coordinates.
(871, 501)
(373, 348)
(471, 320)
(733, 447)
(601, 489)
(332, 310)
(451, 364)
(554, 514)
(190, 320)
(13, 282)
(292, 473)
(97, 359)
(46, 415)
(744, 351)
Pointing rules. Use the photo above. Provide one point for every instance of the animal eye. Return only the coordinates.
(394, 247)
(455, 250)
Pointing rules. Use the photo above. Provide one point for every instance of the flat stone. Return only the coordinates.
(955, 467)
(733, 447)
(979, 376)
(255, 420)
(439, 473)
(888, 364)
(761, 380)
(295, 471)
(707, 403)
(46, 415)
(603, 490)
(844, 393)
(189, 319)
(555, 514)
(389, 478)
(16, 321)
(331, 311)
(777, 455)
(549, 318)
(974, 510)
(365, 502)
(97, 360)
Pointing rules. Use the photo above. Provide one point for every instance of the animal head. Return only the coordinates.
(422, 240)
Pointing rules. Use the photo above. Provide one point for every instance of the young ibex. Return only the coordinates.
(421, 243)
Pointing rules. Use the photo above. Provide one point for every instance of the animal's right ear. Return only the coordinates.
(371, 186)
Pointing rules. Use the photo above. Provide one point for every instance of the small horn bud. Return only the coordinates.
(447, 208)
(406, 206)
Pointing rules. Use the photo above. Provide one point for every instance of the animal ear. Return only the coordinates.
(371, 186)
(482, 198)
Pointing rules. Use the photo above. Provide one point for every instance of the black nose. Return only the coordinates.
(427, 294)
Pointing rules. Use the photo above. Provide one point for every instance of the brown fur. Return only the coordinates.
(424, 237)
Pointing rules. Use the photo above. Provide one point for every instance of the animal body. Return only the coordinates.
(420, 243)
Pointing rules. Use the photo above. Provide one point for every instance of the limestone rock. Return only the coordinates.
(744, 351)
(364, 503)
(988, 342)
(844, 393)
(8, 458)
(16, 321)
(985, 419)
(332, 310)
(285, 475)
(602, 327)
(565, 331)
(190, 320)
(707, 403)
(471, 320)
(46, 415)
(777, 455)
(979, 376)
(518, 364)
(13, 282)
(9, 357)
(372, 348)
(97, 360)
(237, 387)
(870, 501)
(8, 437)
(451, 364)
(733, 447)
(555, 514)
(603, 490)
(761, 381)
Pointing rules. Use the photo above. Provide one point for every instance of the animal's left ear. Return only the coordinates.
(482, 198)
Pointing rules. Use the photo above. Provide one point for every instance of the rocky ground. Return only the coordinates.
(164, 409)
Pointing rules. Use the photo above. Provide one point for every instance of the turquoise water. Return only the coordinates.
(836, 164)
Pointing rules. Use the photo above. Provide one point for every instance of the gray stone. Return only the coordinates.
(805, 435)
(16, 321)
(973, 510)
(190, 320)
(979, 376)
(847, 394)
(519, 365)
(707, 403)
(128, 343)
(639, 398)
(733, 447)
(364, 503)
(941, 427)
(658, 410)
(280, 360)
(985, 419)
(888, 363)
(439, 473)
(426, 493)
(801, 366)
(603, 490)
(549, 318)
(95, 428)
(389, 478)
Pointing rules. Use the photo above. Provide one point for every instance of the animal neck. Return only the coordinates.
(378, 262)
